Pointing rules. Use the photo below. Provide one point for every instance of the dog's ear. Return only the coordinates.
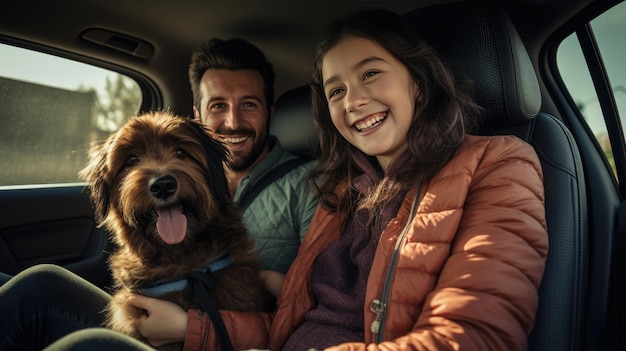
(216, 156)
(95, 174)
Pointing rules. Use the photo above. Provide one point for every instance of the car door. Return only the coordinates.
(589, 79)
(52, 111)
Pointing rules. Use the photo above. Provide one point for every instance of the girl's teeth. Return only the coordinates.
(361, 126)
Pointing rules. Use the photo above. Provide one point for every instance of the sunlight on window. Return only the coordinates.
(52, 110)
(607, 29)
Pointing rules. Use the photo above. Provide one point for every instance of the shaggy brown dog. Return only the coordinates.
(158, 185)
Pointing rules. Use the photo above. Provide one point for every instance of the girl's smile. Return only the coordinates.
(370, 122)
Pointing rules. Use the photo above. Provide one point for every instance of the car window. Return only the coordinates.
(606, 33)
(52, 109)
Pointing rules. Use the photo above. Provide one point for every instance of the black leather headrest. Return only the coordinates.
(293, 122)
(480, 42)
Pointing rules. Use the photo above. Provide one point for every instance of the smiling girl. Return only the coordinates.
(427, 237)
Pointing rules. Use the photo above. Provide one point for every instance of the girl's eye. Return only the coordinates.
(369, 74)
(180, 153)
(132, 160)
(334, 92)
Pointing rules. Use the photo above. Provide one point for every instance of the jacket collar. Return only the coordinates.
(372, 172)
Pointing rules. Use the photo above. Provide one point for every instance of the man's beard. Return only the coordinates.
(240, 163)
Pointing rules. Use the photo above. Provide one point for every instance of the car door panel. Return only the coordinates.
(52, 225)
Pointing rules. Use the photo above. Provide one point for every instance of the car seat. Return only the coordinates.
(293, 122)
(480, 41)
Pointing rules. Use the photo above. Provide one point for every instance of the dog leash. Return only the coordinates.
(202, 282)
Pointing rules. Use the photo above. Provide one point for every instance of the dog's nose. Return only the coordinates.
(163, 187)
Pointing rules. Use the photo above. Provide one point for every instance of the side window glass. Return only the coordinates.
(607, 29)
(51, 110)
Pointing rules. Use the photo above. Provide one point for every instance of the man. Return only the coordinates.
(233, 93)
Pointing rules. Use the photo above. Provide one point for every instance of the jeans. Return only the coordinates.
(45, 303)
(97, 339)
(4, 278)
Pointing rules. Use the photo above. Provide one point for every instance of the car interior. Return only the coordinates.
(506, 48)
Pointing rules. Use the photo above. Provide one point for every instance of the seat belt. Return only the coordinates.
(268, 179)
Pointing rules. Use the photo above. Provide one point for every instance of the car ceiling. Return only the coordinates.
(286, 30)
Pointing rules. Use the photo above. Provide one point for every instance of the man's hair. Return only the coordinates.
(232, 54)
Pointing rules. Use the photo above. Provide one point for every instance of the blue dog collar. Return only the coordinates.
(161, 288)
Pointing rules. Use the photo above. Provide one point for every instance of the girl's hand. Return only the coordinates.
(162, 323)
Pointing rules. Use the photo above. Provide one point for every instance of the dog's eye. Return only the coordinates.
(180, 153)
(132, 160)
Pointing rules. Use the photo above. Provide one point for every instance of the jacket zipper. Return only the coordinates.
(379, 306)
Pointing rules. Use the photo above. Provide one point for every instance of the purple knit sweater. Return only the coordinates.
(340, 272)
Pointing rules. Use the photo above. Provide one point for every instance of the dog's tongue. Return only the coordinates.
(172, 225)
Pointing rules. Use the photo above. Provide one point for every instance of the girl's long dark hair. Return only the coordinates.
(444, 110)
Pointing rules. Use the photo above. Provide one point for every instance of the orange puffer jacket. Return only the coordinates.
(465, 275)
